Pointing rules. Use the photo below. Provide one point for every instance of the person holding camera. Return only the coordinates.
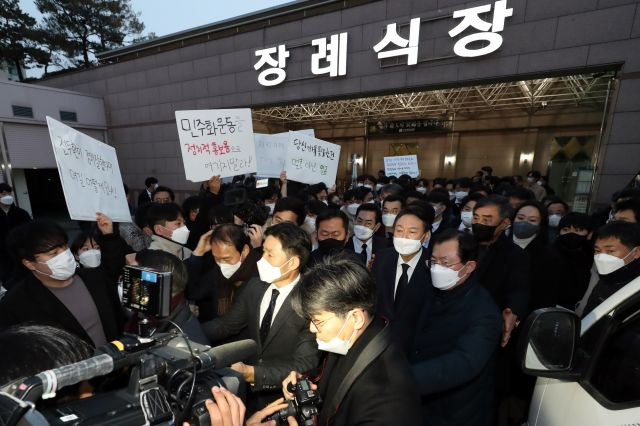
(365, 378)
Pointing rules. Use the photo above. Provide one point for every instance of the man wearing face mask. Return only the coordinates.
(11, 216)
(617, 254)
(567, 265)
(454, 350)
(331, 231)
(84, 301)
(170, 233)
(365, 244)
(264, 308)
(391, 206)
(401, 274)
(150, 185)
(214, 289)
(365, 379)
(503, 267)
(440, 203)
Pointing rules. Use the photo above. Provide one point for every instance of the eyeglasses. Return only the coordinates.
(320, 324)
(432, 262)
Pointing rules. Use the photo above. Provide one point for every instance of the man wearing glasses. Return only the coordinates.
(453, 354)
(365, 378)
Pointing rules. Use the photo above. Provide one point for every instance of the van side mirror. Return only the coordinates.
(549, 342)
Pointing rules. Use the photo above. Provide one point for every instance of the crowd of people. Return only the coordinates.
(399, 298)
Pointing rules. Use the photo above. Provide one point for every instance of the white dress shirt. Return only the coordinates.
(266, 298)
(357, 247)
(412, 267)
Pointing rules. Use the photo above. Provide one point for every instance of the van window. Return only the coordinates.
(617, 373)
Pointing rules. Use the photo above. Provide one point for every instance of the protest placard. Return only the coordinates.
(216, 142)
(271, 152)
(311, 160)
(89, 173)
(401, 165)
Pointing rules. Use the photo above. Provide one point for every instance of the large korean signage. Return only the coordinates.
(476, 36)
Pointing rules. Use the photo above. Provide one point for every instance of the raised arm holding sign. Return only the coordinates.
(89, 173)
(216, 142)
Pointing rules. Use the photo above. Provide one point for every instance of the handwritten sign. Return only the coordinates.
(271, 152)
(311, 160)
(216, 142)
(401, 165)
(89, 173)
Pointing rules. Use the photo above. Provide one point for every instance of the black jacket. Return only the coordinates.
(610, 283)
(379, 243)
(143, 198)
(290, 346)
(385, 393)
(453, 356)
(12, 219)
(504, 269)
(404, 319)
(31, 301)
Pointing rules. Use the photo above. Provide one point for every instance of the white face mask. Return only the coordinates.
(460, 195)
(336, 345)
(421, 189)
(531, 179)
(90, 258)
(352, 209)
(368, 186)
(406, 246)
(444, 278)
(180, 235)
(268, 272)
(228, 270)
(452, 195)
(271, 207)
(554, 220)
(388, 219)
(606, 263)
(362, 232)
(7, 200)
(378, 187)
(326, 203)
(62, 266)
(311, 222)
(467, 218)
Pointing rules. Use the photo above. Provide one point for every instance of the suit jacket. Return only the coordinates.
(31, 302)
(143, 198)
(385, 393)
(504, 269)
(379, 243)
(404, 319)
(290, 346)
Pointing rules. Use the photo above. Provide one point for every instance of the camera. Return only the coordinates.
(304, 406)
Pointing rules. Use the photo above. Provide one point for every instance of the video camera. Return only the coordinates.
(303, 407)
(170, 376)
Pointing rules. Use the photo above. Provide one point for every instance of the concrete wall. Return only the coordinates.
(543, 36)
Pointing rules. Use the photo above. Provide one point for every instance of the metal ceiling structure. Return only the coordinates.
(583, 90)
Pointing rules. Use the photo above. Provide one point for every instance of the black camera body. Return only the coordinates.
(304, 406)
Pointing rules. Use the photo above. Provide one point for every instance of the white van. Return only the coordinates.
(589, 369)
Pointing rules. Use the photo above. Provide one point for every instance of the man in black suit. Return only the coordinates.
(150, 185)
(365, 243)
(366, 378)
(264, 308)
(401, 273)
(83, 302)
(332, 229)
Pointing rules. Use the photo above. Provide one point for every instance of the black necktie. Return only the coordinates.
(402, 284)
(265, 326)
(363, 254)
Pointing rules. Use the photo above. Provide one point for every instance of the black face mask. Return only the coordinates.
(572, 241)
(483, 233)
(331, 245)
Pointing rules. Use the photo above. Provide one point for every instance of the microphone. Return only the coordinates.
(223, 355)
(71, 374)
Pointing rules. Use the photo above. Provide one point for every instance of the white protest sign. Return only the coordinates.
(89, 173)
(311, 160)
(401, 165)
(216, 142)
(271, 152)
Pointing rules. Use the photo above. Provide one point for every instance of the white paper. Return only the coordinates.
(401, 165)
(271, 152)
(89, 173)
(311, 160)
(216, 142)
